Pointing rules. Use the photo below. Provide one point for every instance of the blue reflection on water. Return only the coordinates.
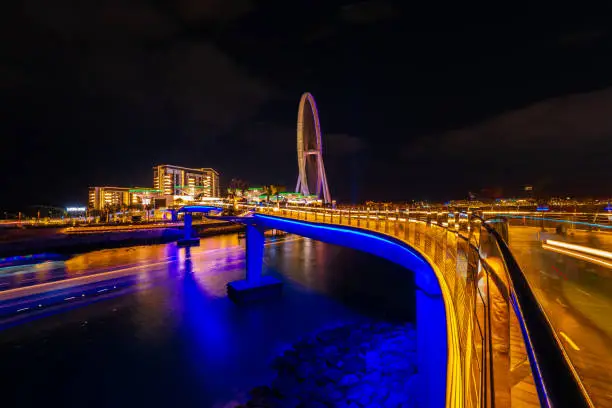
(178, 340)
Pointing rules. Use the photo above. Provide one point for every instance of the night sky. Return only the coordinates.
(416, 102)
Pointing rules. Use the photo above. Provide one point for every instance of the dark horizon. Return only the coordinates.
(414, 104)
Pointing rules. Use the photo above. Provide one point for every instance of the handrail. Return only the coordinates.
(556, 380)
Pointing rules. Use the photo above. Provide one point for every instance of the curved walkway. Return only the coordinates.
(440, 365)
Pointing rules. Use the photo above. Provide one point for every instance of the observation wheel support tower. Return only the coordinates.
(310, 151)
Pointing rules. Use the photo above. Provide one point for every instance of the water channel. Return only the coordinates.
(172, 337)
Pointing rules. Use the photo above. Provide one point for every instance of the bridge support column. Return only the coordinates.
(255, 286)
(432, 349)
(188, 239)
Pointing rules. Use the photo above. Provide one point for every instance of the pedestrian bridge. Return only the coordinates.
(484, 337)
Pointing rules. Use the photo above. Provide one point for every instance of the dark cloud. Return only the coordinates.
(112, 87)
(562, 145)
(128, 20)
(261, 153)
(340, 144)
(132, 57)
(369, 11)
(121, 85)
(193, 84)
(212, 10)
(562, 124)
(583, 37)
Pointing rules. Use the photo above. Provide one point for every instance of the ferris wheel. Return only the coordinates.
(311, 179)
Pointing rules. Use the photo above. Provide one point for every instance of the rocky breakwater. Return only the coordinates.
(365, 365)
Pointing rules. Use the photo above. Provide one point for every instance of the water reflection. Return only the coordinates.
(360, 280)
(188, 262)
(179, 341)
(140, 257)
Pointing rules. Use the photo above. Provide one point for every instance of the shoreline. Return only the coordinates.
(68, 244)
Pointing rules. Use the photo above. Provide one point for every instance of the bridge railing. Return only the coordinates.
(508, 354)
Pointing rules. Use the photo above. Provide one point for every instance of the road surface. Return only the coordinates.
(577, 297)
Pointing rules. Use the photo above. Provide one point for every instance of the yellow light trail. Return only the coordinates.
(578, 255)
(569, 341)
(580, 248)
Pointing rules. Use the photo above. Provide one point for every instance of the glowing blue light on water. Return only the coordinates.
(27, 259)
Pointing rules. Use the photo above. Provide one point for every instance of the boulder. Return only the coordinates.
(395, 399)
(285, 385)
(305, 370)
(348, 379)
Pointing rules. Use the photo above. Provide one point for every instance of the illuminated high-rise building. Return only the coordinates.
(183, 181)
(101, 198)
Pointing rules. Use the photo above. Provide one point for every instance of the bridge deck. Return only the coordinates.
(452, 255)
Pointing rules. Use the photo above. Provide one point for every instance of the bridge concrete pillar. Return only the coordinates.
(188, 238)
(188, 225)
(254, 253)
(256, 286)
(432, 349)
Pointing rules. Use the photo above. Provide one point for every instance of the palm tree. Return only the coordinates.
(107, 212)
(232, 189)
(243, 186)
(237, 187)
(115, 208)
(268, 192)
(278, 189)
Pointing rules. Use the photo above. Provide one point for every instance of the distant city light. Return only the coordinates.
(76, 209)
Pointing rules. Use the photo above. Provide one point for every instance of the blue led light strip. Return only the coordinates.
(199, 208)
(351, 231)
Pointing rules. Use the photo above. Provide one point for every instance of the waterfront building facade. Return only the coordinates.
(101, 198)
(183, 181)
